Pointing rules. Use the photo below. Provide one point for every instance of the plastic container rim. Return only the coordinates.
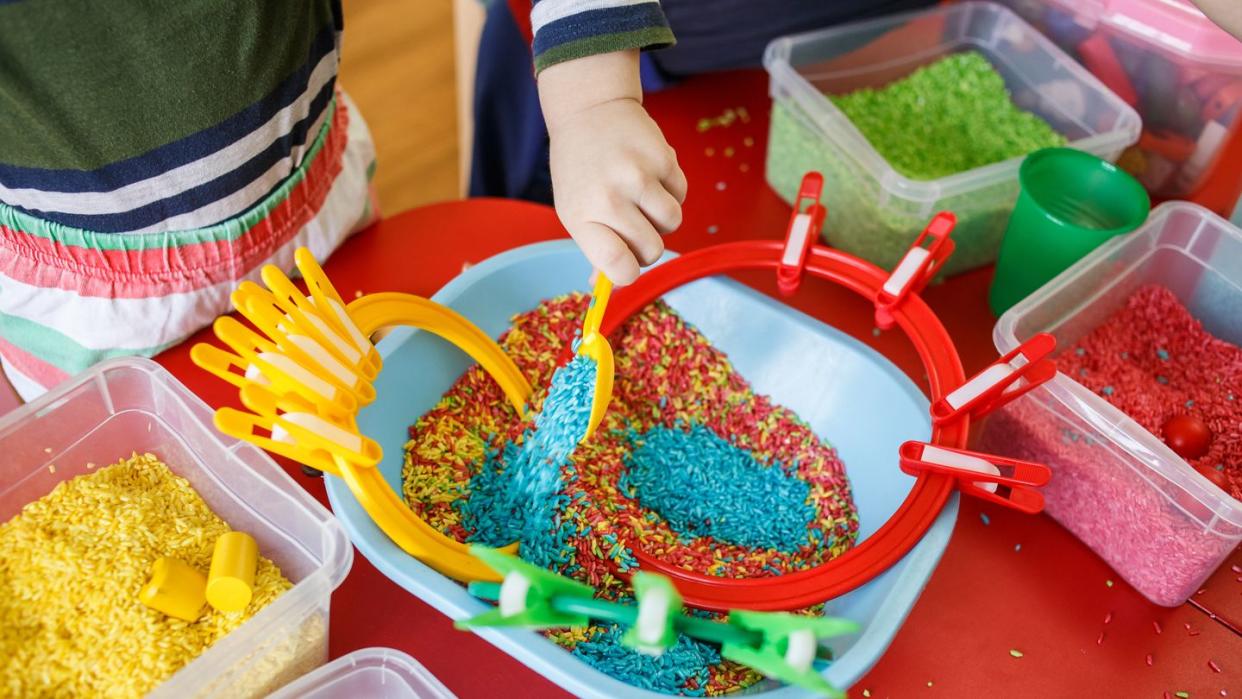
(818, 112)
(1156, 456)
(384, 659)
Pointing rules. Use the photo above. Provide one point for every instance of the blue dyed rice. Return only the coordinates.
(667, 673)
(516, 496)
(704, 486)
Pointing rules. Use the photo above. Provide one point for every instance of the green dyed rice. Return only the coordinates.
(949, 117)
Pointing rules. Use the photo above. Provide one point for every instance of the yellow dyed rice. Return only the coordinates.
(71, 566)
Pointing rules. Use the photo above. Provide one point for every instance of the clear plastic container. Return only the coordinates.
(134, 405)
(1181, 71)
(374, 673)
(874, 212)
(1117, 487)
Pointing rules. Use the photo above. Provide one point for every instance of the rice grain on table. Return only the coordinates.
(71, 566)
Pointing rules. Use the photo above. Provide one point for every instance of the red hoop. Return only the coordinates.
(926, 499)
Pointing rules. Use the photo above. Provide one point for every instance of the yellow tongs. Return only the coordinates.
(306, 369)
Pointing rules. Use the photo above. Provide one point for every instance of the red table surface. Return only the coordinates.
(1048, 598)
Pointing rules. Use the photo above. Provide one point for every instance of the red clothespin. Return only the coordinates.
(1010, 483)
(804, 226)
(1014, 374)
(916, 268)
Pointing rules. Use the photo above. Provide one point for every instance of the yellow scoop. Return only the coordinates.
(595, 346)
(306, 371)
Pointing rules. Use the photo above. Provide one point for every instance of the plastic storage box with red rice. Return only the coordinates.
(875, 212)
(1174, 65)
(1119, 488)
(134, 405)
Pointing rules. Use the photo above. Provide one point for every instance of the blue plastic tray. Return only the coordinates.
(849, 394)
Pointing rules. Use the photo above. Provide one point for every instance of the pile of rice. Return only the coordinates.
(690, 463)
(71, 566)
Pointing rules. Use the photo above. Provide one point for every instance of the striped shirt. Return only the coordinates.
(155, 154)
(568, 29)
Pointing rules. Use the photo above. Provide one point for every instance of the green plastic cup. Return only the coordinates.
(1069, 203)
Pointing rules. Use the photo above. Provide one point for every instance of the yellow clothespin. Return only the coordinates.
(305, 373)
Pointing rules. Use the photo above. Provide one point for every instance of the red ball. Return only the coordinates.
(1188, 436)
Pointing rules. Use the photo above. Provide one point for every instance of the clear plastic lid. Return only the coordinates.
(375, 673)
(1175, 25)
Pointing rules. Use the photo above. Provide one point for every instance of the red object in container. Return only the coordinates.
(1099, 58)
(1221, 187)
(1187, 435)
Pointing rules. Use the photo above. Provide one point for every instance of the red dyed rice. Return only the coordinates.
(1152, 360)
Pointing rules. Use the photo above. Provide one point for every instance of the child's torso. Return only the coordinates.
(134, 116)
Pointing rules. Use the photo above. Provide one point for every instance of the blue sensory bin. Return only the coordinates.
(851, 396)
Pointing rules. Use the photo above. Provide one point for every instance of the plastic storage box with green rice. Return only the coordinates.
(873, 210)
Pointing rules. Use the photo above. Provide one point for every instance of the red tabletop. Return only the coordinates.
(1006, 582)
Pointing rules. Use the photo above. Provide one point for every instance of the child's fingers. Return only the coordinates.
(642, 238)
(660, 208)
(675, 182)
(606, 251)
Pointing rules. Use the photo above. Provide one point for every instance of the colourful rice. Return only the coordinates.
(71, 565)
(677, 397)
(1152, 360)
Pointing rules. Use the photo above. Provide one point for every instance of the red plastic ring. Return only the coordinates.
(922, 505)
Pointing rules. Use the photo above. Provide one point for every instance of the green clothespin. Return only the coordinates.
(659, 607)
(782, 646)
(525, 596)
(788, 646)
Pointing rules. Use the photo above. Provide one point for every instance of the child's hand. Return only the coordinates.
(615, 180)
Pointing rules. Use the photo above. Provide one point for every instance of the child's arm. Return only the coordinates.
(1226, 13)
(615, 180)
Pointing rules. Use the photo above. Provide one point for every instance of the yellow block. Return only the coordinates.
(230, 583)
(176, 589)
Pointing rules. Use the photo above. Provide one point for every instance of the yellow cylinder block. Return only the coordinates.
(176, 589)
(230, 583)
